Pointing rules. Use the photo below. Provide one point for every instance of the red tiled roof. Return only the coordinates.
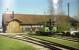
(34, 19)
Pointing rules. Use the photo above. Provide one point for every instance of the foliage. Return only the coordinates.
(65, 26)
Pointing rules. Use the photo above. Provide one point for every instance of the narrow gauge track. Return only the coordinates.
(41, 42)
(68, 38)
(53, 43)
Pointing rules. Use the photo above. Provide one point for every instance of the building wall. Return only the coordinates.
(14, 27)
(31, 28)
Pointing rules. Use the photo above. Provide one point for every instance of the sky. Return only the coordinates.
(34, 6)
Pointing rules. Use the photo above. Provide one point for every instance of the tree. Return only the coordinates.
(78, 9)
(63, 27)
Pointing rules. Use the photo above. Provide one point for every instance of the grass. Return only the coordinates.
(59, 41)
(12, 44)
